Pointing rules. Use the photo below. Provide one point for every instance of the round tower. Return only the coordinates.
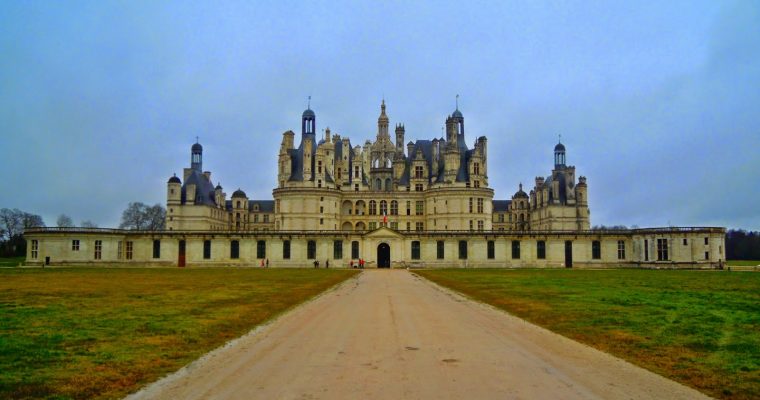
(559, 155)
(196, 157)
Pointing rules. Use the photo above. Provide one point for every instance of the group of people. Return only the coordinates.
(359, 264)
(316, 263)
(264, 263)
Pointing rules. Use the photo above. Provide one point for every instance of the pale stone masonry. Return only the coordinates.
(426, 204)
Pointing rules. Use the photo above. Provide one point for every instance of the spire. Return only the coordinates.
(308, 103)
(382, 121)
(457, 102)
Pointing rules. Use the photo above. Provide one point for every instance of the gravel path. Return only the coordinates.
(389, 334)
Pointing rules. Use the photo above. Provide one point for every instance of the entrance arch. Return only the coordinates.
(383, 255)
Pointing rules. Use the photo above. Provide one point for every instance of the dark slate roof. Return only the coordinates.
(501, 205)
(559, 147)
(197, 148)
(562, 195)
(238, 193)
(204, 189)
(265, 206)
(174, 179)
(308, 113)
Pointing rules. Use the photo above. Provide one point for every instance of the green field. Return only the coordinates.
(701, 328)
(743, 263)
(11, 261)
(102, 333)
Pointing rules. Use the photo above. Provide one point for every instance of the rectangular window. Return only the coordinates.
(707, 241)
(408, 226)
(35, 249)
(120, 250)
(408, 208)
(266, 218)
(515, 249)
(418, 172)
(261, 249)
(156, 249)
(491, 250)
(338, 249)
(471, 228)
(707, 255)
(415, 250)
(419, 226)
(646, 250)
(418, 207)
(372, 226)
(234, 249)
(541, 250)
(480, 225)
(311, 250)
(256, 218)
(354, 250)
(206, 249)
(476, 184)
(98, 249)
(130, 248)
(470, 205)
(685, 242)
(501, 217)
(440, 249)
(662, 249)
(418, 187)
(596, 250)
(462, 249)
(286, 250)
(621, 250)
(321, 221)
(480, 205)
(394, 225)
(75, 245)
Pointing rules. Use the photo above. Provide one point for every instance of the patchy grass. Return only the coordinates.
(79, 333)
(11, 261)
(701, 328)
(743, 263)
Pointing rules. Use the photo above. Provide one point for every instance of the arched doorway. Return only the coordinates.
(383, 255)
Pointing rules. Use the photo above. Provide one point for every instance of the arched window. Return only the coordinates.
(394, 207)
(372, 207)
(238, 204)
(383, 207)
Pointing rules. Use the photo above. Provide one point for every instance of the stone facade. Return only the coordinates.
(426, 204)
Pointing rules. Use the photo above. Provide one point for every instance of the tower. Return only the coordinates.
(308, 123)
(458, 121)
(559, 155)
(382, 122)
(400, 139)
(196, 157)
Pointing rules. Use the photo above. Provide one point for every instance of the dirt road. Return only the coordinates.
(389, 334)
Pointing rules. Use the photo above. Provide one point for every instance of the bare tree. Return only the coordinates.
(14, 222)
(143, 217)
(88, 224)
(64, 221)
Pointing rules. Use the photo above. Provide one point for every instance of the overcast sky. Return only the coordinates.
(658, 104)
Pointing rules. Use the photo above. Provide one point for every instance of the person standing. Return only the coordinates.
(327, 263)
(267, 263)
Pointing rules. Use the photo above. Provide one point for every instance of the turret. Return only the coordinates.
(451, 132)
(196, 157)
(559, 156)
(400, 138)
(581, 192)
(409, 149)
(174, 191)
(382, 122)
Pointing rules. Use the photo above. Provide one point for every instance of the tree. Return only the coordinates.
(13, 224)
(143, 217)
(88, 224)
(64, 221)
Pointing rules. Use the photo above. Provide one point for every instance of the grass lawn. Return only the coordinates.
(11, 261)
(743, 263)
(701, 328)
(102, 333)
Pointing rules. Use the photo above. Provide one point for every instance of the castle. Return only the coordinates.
(424, 204)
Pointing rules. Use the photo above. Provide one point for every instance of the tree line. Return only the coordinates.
(14, 222)
(742, 245)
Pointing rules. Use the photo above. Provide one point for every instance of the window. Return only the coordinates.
(383, 207)
(480, 225)
(356, 175)
(394, 207)
(75, 245)
(338, 249)
(156, 249)
(418, 172)
(480, 205)
(261, 249)
(286, 250)
(319, 167)
(415, 250)
(408, 226)
(408, 208)
(394, 225)
(462, 249)
(621, 250)
(707, 255)
(470, 205)
(476, 168)
(440, 249)
(338, 173)
(235, 249)
(354, 249)
(646, 250)
(707, 241)
(356, 187)
(501, 217)
(685, 242)
(372, 207)
(119, 250)
(419, 226)
(130, 248)
(206, 249)
(515, 249)
(321, 221)
(319, 183)
(491, 250)
(471, 225)
(476, 184)
(255, 217)
(418, 187)
(311, 250)
(418, 207)
(99, 249)
(35, 249)
(541, 250)
(596, 250)
(372, 226)
(662, 249)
